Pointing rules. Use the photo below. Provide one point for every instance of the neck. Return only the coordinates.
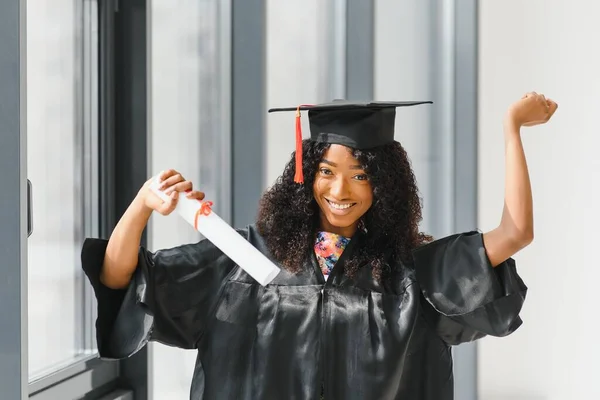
(347, 231)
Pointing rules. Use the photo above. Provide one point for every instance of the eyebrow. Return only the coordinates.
(356, 166)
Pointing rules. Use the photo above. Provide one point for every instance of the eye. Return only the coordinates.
(361, 177)
(325, 171)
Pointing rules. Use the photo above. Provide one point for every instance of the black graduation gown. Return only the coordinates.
(359, 339)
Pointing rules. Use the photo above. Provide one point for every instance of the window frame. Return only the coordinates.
(13, 213)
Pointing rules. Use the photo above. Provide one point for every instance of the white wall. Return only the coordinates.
(549, 46)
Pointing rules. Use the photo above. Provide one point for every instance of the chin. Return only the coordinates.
(341, 222)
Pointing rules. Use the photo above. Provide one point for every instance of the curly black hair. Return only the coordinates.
(288, 215)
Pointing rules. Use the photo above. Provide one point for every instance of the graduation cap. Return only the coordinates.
(359, 125)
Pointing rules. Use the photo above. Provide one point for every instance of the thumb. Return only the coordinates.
(168, 206)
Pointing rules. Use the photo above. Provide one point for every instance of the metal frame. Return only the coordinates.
(333, 81)
(91, 379)
(106, 120)
(466, 100)
(90, 104)
(131, 143)
(60, 373)
(442, 125)
(360, 56)
(13, 213)
(464, 163)
(226, 123)
(81, 174)
(248, 66)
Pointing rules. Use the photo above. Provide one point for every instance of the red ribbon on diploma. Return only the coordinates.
(205, 209)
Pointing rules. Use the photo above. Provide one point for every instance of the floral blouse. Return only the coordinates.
(328, 249)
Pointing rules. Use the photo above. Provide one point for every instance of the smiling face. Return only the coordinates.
(342, 191)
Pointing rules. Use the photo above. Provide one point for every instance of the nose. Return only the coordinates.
(340, 189)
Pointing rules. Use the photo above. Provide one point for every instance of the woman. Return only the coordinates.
(366, 307)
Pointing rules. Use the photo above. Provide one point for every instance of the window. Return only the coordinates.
(62, 76)
(59, 68)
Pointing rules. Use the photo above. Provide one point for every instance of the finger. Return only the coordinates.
(166, 174)
(195, 194)
(172, 180)
(552, 107)
(179, 187)
(546, 106)
(544, 102)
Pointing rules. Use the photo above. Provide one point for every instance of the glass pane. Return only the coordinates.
(186, 135)
(55, 167)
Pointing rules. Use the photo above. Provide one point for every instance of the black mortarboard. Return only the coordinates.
(359, 125)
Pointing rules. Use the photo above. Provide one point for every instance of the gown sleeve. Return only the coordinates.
(169, 298)
(465, 298)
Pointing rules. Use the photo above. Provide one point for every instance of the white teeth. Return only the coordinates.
(340, 206)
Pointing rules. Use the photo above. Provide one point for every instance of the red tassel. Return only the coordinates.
(299, 176)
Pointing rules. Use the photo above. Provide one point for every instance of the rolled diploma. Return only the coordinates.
(227, 239)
